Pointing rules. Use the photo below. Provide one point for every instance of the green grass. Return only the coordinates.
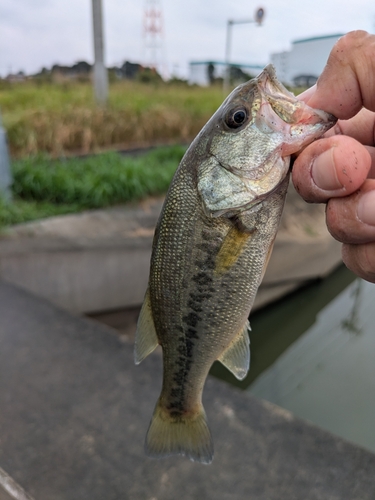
(20, 211)
(61, 118)
(50, 120)
(43, 187)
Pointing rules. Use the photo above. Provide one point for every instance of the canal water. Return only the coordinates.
(313, 353)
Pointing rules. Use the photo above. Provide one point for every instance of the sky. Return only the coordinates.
(37, 33)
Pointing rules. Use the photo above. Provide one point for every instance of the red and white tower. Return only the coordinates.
(153, 36)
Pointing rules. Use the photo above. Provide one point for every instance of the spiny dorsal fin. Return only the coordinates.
(145, 337)
(237, 355)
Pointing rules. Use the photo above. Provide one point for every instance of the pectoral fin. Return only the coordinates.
(237, 355)
(145, 337)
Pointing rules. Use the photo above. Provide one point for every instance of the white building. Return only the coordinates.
(305, 62)
(201, 72)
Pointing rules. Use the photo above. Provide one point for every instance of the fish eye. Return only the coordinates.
(236, 117)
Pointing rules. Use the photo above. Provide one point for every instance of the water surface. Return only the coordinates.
(313, 353)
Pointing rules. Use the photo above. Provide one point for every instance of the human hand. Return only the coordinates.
(339, 169)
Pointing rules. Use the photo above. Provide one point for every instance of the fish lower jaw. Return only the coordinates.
(301, 136)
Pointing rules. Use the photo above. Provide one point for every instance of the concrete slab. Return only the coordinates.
(99, 260)
(10, 490)
(4, 495)
(74, 411)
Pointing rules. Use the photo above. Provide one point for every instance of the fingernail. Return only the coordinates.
(366, 208)
(323, 172)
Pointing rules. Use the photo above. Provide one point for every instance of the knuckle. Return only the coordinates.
(361, 260)
(349, 42)
(367, 260)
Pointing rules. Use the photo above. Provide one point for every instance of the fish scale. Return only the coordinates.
(211, 247)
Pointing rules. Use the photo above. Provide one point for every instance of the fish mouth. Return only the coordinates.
(286, 103)
(281, 111)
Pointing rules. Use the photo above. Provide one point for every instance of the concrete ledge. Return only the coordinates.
(99, 260)
(75, 409)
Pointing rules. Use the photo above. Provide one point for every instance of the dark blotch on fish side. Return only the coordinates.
(189, 350)
(206, 265)
(195, 305)
(192, 334)
(175, 392)
(200, 297)
(176, 413)
(178, 376)
(191, 319)
(205, 247)
(202, 279)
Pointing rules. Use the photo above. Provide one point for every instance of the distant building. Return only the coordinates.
(304, 63)
(81, 69)
(205, 72)
(128, 70)
(16, 77)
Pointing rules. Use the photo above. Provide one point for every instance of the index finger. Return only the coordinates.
(348, 81)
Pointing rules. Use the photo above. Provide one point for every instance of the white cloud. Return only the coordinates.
(43, 32)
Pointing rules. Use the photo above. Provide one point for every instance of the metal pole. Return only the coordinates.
(100, 71)
(227, 57)
(5, 172)
(230, 23)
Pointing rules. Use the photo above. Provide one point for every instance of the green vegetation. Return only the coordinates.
(43, 187)
(61, 118)
(20, 211)
(46, 120)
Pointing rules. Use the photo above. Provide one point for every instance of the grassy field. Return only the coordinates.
(44, 187)
(62, 118)
(48, 123)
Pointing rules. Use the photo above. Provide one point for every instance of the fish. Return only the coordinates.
(212, 243)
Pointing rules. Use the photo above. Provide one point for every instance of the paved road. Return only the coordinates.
(75, 409)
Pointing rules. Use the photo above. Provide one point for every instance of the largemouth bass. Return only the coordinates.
(210, 251)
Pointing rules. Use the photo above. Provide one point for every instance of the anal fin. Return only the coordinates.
(237, 355)
(146, 339)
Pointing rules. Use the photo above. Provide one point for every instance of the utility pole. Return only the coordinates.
(258, 19)
(5, 172)
(100, 71)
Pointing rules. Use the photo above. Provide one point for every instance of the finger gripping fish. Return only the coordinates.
(211, 247)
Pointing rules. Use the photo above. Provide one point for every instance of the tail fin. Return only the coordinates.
(181, 435)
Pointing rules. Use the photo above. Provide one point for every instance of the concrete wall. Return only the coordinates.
(99, 260)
